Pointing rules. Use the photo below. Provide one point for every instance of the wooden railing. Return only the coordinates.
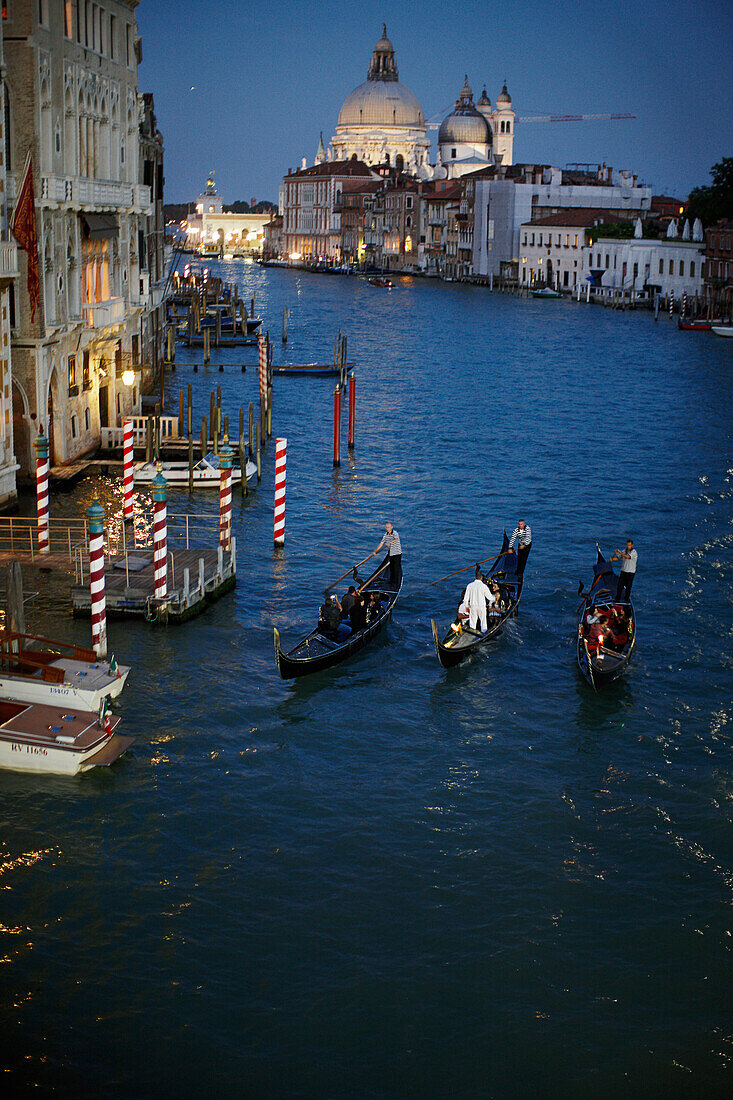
(113, 438)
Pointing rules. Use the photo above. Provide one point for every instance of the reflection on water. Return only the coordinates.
(331, 885)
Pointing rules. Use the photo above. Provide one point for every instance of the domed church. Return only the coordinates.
(382, 120)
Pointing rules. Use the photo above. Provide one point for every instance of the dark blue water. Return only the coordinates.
(392, 880)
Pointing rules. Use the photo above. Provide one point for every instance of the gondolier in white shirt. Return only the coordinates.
(391, 540)
(522, 535)
(627, 571)
(477, 596)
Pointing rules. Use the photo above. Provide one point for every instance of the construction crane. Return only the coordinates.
(552, 118)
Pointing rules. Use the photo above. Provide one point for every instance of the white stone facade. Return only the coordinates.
(8, 275)
(646, 266)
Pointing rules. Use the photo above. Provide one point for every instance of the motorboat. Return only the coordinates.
(546, 292)
(41, 670)
(35, 737)
(206, 472)
(723, 330)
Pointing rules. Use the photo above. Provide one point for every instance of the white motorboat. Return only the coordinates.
(41, 670)
(38, 738)
(206, 472)
(723, 330)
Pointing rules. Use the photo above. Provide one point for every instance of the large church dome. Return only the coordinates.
(381, 100)
(379, 103)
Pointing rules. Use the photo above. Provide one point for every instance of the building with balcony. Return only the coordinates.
(642, 267)
(552, 248)
(311, 200)
(8, 276)
(72, 98)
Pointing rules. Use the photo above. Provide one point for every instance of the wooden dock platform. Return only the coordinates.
(195, 579)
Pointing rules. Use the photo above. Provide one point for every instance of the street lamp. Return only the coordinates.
(128, 377)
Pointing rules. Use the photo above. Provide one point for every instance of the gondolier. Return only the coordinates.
(627, 572)
(522, 535)
(391, 540)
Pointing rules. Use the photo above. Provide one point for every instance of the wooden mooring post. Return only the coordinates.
(250, 437)
(259, 456)
(242, 452)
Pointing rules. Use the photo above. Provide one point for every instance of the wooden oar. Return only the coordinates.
(373, 577)
(351, 570)
(472, 566)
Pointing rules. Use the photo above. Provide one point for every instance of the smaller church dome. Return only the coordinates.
(464, 125)
(504, 99)
(484, 101)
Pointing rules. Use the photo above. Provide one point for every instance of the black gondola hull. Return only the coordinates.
(290, 667)
(451, 654)
(602, 670)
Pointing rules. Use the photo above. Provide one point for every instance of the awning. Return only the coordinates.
(98, 226)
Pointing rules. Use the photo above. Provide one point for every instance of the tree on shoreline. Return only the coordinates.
(714, 203)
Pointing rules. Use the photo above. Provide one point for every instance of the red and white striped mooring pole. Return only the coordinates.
(337, 426)
(129, 460)
(262, 348)
(281, 451)
(226, 457)
(95, 514)
(160, 538)
(671, 302)
(42, 467)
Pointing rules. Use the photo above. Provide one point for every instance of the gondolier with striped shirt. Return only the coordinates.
(391, 540)
(522, 535)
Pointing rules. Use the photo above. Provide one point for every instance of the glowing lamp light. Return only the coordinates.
(128, 377)
(295, 255)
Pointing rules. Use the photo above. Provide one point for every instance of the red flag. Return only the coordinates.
(23, 228)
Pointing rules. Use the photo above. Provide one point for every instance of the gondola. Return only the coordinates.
(604, 666)
(457, 645)
(319, 651)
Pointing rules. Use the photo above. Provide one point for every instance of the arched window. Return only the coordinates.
(399, 162)
(87, 420)
(509, 127)
(502, 127)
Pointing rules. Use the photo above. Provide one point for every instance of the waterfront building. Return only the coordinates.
(381, 121)
(640, 266)
(439, 208)
(503, 199)
(153, 274)
(391, 239)
(718, 287)
(72, 98)
(209, 226)
(311, 208)
(355, 207)
(8, 275)
(273, 242)
(552, 248)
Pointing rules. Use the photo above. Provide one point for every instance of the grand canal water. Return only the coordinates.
(392, 880)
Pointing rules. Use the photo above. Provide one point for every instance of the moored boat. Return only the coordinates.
(308, 370)
(695, 324)
(38, 738)
(206, 472)
(604, 652)
(42, 670)
(320, 650)
(460, 641)
(546, 292)
(723, 330)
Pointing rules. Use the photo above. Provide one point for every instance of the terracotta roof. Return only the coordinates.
(578, 218)
(360, 187)
(334, 168)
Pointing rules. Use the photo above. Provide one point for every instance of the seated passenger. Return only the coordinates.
(357, 615)
(498, 595)
(462, 615)
(348, 602)
(374, 608)
(330, 615)
(597, 633)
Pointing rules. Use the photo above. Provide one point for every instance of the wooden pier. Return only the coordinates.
(195, 579)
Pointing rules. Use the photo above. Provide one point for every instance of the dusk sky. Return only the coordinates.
(246, 88)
